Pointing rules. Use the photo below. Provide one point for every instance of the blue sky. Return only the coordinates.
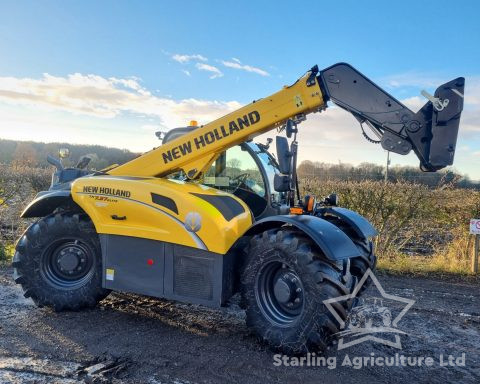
(113, 72)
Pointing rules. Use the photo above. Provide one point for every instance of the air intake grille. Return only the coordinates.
(193, 277)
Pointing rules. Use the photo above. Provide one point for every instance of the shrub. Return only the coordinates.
(6, 253)
(18, 185)
(419, 227)
(411, 219)
(3, 253)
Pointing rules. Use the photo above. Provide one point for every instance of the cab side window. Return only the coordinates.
(236, 172)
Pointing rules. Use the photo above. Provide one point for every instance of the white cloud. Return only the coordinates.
(237, 64)
(414, 103)
(106, 98)
(472, 91)
(186, 72)
(186, 58)
(209, 68)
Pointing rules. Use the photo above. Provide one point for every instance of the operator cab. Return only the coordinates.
(247, 171)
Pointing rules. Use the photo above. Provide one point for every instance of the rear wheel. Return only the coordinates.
(366, 260)
(58, 263)
(285, 281)
(361, 264)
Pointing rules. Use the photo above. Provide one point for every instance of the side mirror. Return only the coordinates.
(83, 162)
(332, 199)
(284, 156)
(281, 183)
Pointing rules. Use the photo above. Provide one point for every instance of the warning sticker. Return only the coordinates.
(475, 226)
(298, 101)
(110, 274)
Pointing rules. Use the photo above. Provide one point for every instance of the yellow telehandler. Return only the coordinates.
(210, 213)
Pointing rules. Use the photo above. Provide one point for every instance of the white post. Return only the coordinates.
(386, 168)
(475, 230)
(476, 252)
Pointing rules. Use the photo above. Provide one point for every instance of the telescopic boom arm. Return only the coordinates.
(431, 132)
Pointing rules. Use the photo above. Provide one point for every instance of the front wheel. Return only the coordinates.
(284, 283)
(58, 263)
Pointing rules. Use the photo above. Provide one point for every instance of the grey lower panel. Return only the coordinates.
(166, 270)
(133, 265)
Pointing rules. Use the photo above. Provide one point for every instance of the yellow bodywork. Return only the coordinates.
(129, 200)
(120, 202)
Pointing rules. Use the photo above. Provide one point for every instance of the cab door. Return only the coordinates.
(236, 171)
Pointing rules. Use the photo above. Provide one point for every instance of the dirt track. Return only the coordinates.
(129, 338)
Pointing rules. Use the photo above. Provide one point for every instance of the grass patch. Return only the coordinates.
(423, 265)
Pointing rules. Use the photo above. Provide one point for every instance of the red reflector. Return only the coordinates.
(150, 261)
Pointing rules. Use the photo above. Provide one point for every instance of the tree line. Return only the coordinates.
(375, 172)
(34, 154)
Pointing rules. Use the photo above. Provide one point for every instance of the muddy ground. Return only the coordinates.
(134, 339)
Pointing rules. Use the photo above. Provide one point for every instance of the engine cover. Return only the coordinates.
(177, 212)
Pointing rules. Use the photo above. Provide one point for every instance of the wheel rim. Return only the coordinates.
(68, 263)
(279, 293)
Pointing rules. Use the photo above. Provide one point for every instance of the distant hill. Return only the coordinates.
(34, 154)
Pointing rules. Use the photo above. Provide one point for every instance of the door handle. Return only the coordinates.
(115, 217)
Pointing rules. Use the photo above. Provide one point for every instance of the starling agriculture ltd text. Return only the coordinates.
(359, 362)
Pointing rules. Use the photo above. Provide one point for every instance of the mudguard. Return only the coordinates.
(46, 202)
(360, 225)
(333, 242)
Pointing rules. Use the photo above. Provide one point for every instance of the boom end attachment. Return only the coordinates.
(431, 132)
(434, 129)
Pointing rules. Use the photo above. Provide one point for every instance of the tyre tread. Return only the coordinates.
(326, 278)
(26, 263)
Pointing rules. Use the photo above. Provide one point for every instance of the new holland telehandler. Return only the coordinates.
(209, 213)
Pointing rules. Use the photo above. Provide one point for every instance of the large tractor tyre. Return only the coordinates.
(366, 259)
(58, 263)
(284, 283)
(360, 265)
